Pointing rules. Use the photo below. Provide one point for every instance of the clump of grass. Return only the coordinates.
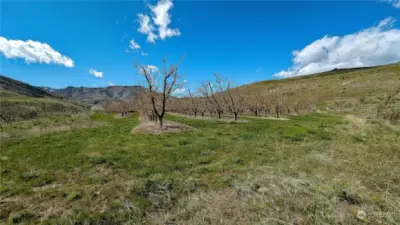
(20, 217)
(73, 196)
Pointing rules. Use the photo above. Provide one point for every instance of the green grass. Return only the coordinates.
(15, 107)
(219, 173)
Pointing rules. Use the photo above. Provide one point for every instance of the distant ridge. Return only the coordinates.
(96, 95)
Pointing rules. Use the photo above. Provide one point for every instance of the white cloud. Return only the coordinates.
(373, 46)
(149, 69)
(133, 45)
(179, 91)
(147, 28)
(33, 52)
(162, 19)
(152, 68)
(145, 54)
(96, 73)
(395, 3)
(111, 84)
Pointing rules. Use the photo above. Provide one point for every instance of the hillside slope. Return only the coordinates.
(96, 95)
(19, 101)
(15, 107)
(358, 90)
(21, 88)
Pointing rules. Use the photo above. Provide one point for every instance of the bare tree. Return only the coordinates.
(159, 88)
(184, 106)
(234, 100)
(214, 98)
(253, 100)
(277, 98)
(194, 103)
(122, 107)
(208, 103)
(202, 106)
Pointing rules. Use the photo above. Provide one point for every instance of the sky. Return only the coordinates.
(95, 43)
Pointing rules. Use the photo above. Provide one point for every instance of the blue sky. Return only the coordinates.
(244, 41)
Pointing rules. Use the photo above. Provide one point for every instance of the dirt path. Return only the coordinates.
(153, 127)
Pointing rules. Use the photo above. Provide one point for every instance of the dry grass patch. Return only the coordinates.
(154, 128)
(265, 197)
(46, 125)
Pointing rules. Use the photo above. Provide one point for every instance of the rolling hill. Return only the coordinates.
(19, 101)
(357, 90)
(21, 88)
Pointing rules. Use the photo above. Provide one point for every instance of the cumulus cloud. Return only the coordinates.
(395, 3)
(146, 27)
(152, 68)
(179, 91)
(96, 73)
(149, 68)
(134, 45)
(161, 18)
(111, 84)
(33, 52)
(373, 46)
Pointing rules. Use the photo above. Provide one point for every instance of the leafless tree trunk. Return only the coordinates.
(194, 103)
(253, 100)
(211, 102)
(217, 102)
(159, 96)
(233, 100)
(121, 107)
(277, 98)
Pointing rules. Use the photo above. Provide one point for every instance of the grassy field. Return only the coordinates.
(311, 169)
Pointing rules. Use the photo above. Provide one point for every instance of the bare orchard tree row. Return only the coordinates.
(219, 97)
(214, 98)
